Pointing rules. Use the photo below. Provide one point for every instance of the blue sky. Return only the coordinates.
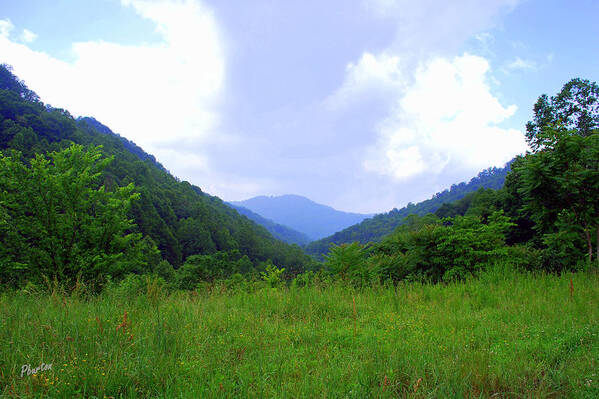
(363, 105)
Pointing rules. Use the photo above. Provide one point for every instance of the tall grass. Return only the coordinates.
(501, 335)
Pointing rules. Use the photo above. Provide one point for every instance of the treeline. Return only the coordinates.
(166, 222)
(545, 217)
(375, 228)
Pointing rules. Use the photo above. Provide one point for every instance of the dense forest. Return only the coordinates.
(78, 201)
(375, 228)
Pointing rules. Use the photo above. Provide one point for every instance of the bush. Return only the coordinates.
(524, 258)
(131, 286)
(347, 261)
(272, 275)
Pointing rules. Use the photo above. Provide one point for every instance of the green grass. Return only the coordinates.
(502, 335)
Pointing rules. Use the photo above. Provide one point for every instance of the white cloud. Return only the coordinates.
(154, 94)
(521, 64)
(371, 74)
(5, 27)
(28, 36)
(446, 118)
(485, 38)
(435, 120)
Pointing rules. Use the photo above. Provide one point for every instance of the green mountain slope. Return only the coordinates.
(180, 218)
(375, 228)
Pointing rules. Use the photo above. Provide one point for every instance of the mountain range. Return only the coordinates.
(302, 214)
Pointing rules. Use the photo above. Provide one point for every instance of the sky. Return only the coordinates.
(363, 105)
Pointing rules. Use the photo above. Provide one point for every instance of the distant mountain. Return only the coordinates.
(278, 231)
(375, 228)
(301, 214)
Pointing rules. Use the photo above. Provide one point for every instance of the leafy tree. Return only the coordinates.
(469, 244)
(560, 179)
(346, 260)
(513, 204)
(561, 183)
(219, 265)
(272, 275)
(574, 110)
(59, 220)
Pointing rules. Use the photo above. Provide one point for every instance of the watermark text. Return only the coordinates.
(26, 369)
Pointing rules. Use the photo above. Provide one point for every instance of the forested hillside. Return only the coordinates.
(279, 231)
(375, 228)
(176, 217)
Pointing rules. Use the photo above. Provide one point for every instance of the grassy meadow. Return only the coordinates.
(501, 335)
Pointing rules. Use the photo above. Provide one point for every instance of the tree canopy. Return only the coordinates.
(575, 109)
(58, 219)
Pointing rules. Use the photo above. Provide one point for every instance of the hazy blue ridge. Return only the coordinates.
(302, 214)
(279, 231)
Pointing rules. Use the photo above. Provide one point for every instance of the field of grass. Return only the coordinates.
(502, 335)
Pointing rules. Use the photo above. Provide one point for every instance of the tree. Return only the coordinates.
(58, 220)
(561, 183)
(575, 109)
(272, 275)
(346, 260)
(560, 178)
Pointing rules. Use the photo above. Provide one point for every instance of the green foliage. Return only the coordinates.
(8, 81)
(305, 279)
(220, 265)
(235, 282)
(58, 220)
(272, 275)
(375, 228)
(560, 184)
(563, 247)
(513, 204)
(433, 249)
(165, 271)
(574, 110)
(526, 258)
(348, 261)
